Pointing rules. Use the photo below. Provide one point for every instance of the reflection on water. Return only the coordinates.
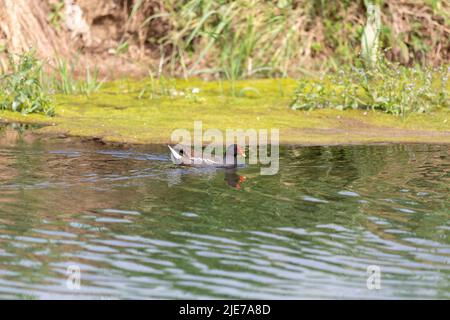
(139, 227)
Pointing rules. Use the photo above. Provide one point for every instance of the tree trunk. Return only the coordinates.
(24, 25)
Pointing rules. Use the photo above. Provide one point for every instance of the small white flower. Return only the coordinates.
(195, 90)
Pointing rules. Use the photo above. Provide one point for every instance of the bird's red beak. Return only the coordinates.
(241, 152)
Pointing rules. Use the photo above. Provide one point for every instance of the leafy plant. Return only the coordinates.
(389, 87)
(21, 88)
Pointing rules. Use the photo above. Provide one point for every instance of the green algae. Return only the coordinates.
(147, 111)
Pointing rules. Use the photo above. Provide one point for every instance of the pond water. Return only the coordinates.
(136, 226)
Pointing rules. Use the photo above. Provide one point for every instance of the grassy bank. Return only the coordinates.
(148, 111)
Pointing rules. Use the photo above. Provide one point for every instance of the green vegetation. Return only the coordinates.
(64, 79)
(249, 38)
(388, 87)
(26, 88)
(21, 88)
(120, 113)
(380, 84)
(56, 16)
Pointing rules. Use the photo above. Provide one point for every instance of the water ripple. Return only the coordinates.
(138, 227)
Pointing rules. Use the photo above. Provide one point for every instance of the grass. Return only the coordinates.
(64, 79)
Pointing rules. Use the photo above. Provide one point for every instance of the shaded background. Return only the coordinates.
(209, 38)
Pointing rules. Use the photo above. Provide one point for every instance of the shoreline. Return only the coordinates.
(64, 139)
(118, 115)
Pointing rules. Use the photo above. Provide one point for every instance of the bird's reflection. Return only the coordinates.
(233, 179)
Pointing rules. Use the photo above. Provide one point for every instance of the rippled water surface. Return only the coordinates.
(138, 227)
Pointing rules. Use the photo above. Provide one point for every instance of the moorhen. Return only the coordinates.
(229, 159)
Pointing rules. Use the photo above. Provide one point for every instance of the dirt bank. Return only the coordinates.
(130, 37)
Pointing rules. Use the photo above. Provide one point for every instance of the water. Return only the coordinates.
(138, 227)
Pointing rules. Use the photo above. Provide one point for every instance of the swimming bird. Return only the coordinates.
(229, 159)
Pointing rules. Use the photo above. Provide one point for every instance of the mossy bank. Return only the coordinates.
(146, 112)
